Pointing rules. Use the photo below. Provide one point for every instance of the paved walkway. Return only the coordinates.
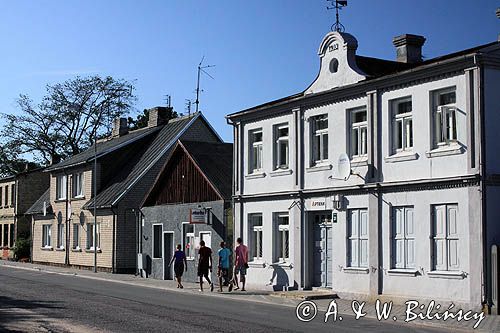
(343, 306)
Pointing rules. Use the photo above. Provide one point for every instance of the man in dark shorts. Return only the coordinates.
(223, 271)
(204, 264)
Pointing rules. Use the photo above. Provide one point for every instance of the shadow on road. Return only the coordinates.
(15, 311)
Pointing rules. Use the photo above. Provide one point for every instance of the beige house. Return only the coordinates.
(127, 165)
(17, 194)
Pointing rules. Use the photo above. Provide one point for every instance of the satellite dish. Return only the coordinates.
(343, 167)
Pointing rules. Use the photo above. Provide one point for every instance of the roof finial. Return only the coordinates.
(339, 4)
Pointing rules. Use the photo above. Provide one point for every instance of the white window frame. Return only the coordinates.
(60, 236)
(278, 142)
(78, 185)
(319, 140)
(61, 187)
(445, 238)
(155, 241)
(90, 237)
(76, 236)
(6, 196)
(256, 151)
(282, 245)
(357, 239)
(190, 255)
(403, 121)
(47, 236)
(256, 236)
(403, 238)
(358, 148)
(444, 117)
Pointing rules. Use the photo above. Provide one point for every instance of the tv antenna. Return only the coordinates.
(200, 70)
(188, 106)
(337, 5)
(168, 100)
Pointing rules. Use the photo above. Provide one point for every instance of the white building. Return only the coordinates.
(421, 210)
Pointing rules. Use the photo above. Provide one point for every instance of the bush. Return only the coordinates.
(22, 248)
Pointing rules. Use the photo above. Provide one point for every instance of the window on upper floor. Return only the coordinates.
(281, 147)
(77, 185)
(256, 144)
(319, 139)
(12, 195)
(6, 196)
(359, 132)
(444, 117)
(61, 184)
(402, 125)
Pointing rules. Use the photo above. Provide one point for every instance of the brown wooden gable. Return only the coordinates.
(181, 181)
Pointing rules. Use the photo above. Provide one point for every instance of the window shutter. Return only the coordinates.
(439, 238)
(410, 238)
(363, 217)
(453, 256)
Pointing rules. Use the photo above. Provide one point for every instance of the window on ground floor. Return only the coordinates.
(357, 238)
(76, 236)
(46, 235)
(282, 237)
(445, 237)
(188, 239)
(255, 225)
(91, 242)
(11, 243)
(157, 241)
(403, 238)
(60, 235)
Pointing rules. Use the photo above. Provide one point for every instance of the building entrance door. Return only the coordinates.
(168, 251)
(322, 249)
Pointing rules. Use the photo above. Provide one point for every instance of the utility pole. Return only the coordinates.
(201, 69)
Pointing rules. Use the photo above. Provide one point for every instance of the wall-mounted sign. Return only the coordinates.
(197, 216)
(318, 203)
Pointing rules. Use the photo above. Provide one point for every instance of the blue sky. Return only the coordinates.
(263, 49)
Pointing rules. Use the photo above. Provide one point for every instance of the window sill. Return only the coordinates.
(60, 249)
(78, 198)
(359, 161)
(257, 264)
(280, 172)
(453, 149)
(92, 251)
(356, 270)
(319, 167)
(256, 175)
(457, 275)
(154, 258)
(402, 272)
(402, 156)
(76, 250)
(47, 248)
(60, 200)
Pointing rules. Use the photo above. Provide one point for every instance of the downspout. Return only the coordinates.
(113, 246)
(66, 245)
(482, 174)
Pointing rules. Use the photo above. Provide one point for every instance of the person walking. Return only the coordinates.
(223, 266)
(179, 265)
(204, 264)
(240, 264)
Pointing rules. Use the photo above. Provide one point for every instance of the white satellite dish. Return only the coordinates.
(343, 167)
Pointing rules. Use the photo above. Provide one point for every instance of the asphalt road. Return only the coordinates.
(41, 302)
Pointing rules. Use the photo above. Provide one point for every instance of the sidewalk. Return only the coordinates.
(290, 299)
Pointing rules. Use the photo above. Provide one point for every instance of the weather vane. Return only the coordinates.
(337, 4)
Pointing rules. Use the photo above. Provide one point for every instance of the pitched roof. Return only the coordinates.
(37, 207)
(128, 177)
(104, 148)
(376, 68)
(215, 161)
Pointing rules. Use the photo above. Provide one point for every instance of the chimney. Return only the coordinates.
(120, 127)
(408, 48)
(158, 116)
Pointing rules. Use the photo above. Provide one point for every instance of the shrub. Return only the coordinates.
(22, 248)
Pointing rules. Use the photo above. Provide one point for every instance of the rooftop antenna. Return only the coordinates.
(168, 99)
(201, 69)
(188, 106)
(337, 4)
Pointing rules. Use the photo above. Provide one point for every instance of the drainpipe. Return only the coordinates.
(113, 246)
(66, 222)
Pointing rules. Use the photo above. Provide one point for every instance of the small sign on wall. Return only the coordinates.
(334, 217)
(197, 216)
